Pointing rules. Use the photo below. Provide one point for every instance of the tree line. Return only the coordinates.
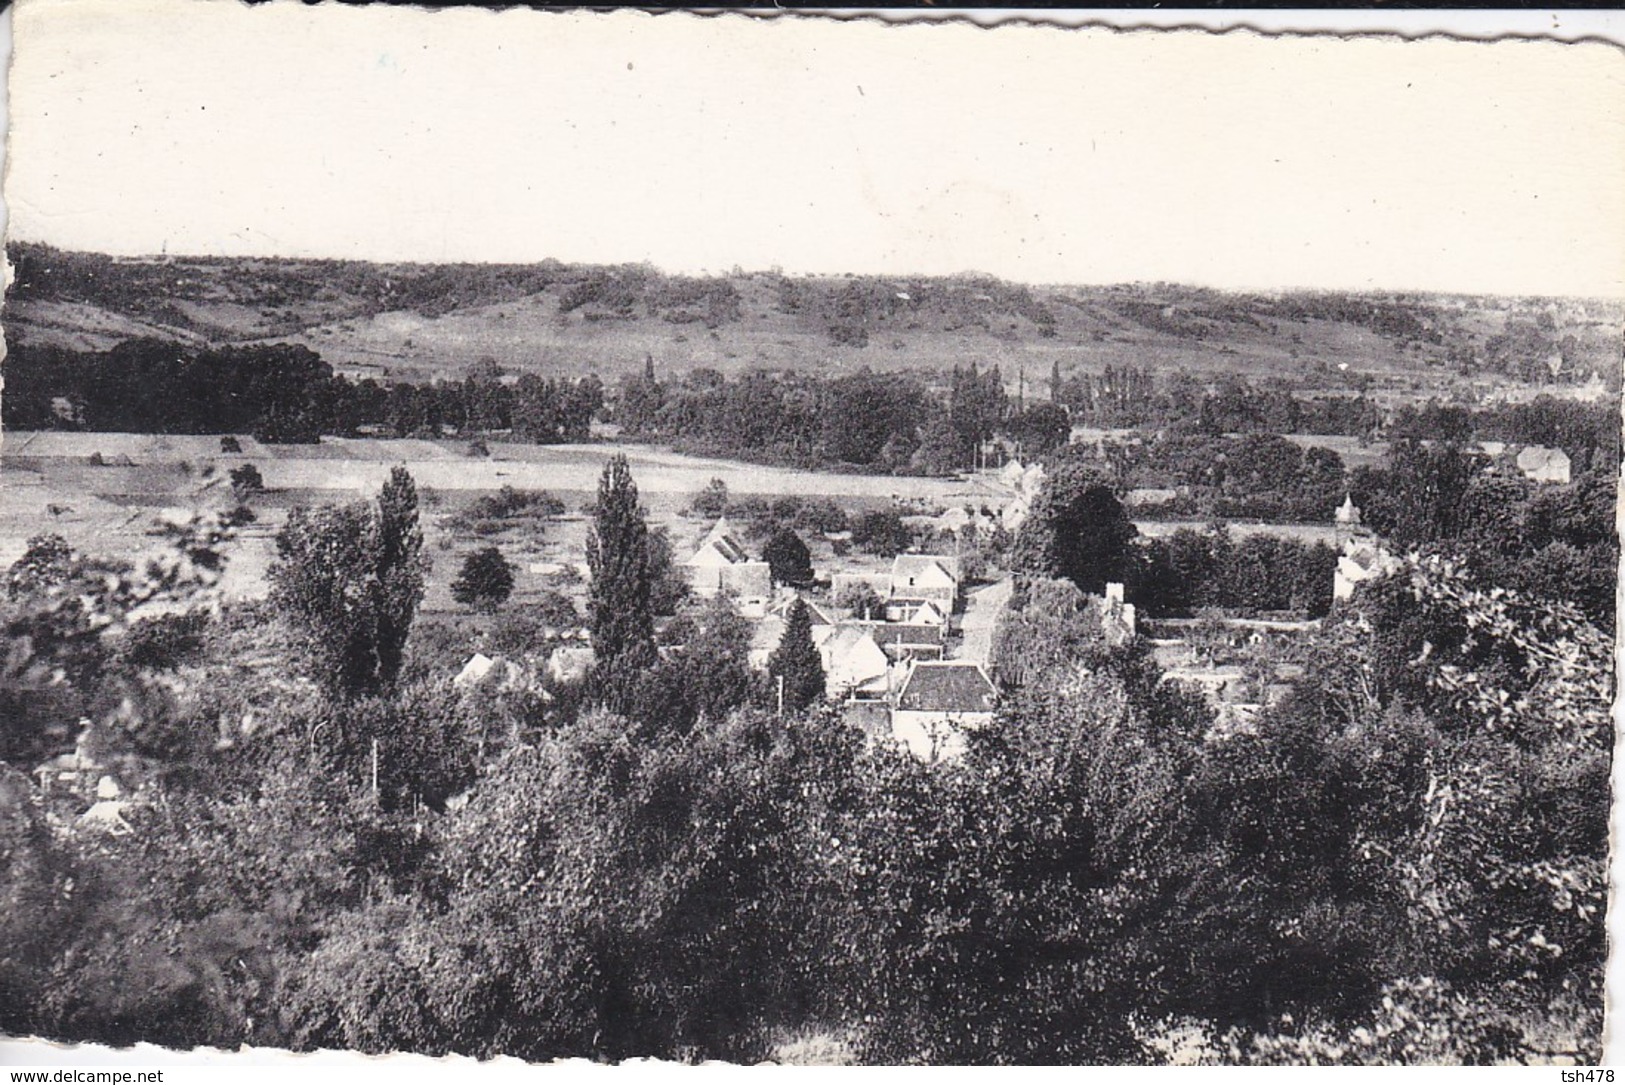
(896, 423)
(282, 393)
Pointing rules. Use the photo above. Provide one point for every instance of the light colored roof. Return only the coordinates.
(852, 658)
(948, 686)
(107, 814)
(1536, 457)
(926, 612)
(925, 570)
(478, 666)
(719, 543)
(783, 605)
(570, 663)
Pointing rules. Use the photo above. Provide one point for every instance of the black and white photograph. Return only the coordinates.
(771, 538)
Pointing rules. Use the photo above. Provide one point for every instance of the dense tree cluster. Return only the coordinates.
(1130, 396)
(1076, 530)
(1551, 539)
(350, 578)
(862, 420)
(1257, 477)
(280, 393)
(1190, 571)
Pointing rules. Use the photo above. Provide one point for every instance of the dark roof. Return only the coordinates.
(905, 633)
(728, 548)
(953, 686)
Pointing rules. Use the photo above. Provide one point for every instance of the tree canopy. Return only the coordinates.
(618, 606)
(485, 580)
(350, 578)
(1076, 529)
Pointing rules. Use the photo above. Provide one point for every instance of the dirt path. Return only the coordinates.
(982, 608)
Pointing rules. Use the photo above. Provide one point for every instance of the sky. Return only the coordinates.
(702, 144)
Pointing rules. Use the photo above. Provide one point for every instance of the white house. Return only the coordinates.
(572, 663)
(1544, 464)
(768, 630)
(930, 578)
(1118, 619)
(722, 565)
(916, 612)
(855, 666)
(499, 674)
(1359, 562)
(938, 703)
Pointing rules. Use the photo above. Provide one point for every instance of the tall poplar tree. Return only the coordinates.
(618, 556)
(401, 567)
(351, 578)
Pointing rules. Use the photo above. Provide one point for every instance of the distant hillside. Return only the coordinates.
(416, 321)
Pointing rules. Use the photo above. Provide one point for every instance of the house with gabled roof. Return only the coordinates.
(930, 578)
(916, 612)
(938, 703)
(855, 666)
(767, 631)
(786, 601)
(1361, 560)
(721, 565)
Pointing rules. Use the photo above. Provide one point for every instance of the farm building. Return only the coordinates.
(721, 565)
(855, 666)
(904, 641)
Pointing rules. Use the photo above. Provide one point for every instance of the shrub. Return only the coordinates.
(486, 580)
(246, 480)
(882, 533)
(164, 642)
(710, 502)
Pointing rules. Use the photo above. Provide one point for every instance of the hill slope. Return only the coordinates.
(423, 321)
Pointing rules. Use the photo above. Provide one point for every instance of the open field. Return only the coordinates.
(50, 486)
